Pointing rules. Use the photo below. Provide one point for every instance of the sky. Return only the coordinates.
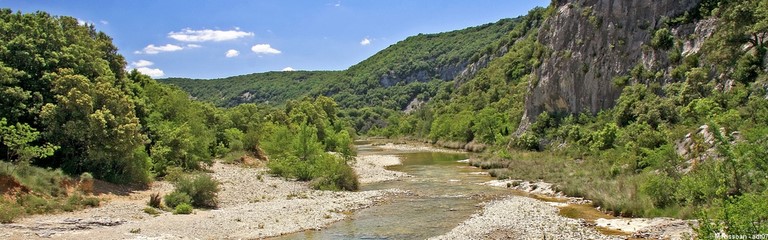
(216, 39)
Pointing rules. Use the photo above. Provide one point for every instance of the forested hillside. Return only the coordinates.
(683, 135)
(412, 68)
(272, 88)
(68, 104)
(661, 113)
(658, 113)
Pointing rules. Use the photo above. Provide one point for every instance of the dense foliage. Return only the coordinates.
(272, 88)
(685, 139)
(300, 148)
(67, 103)
(487, 108)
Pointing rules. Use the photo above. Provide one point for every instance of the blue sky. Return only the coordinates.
(213, 39)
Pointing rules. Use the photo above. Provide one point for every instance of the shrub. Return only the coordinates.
(173, 174)
(154, 200)
(91, 202)
(35, 204)
(745, 215)
(183, 208)
(151, 211)
(528, 141)
(663, 39)
(86, 183)
(9, 211)
(332, 173)
(621, 81)
(176, 198)
(202, 189)
(661, 189)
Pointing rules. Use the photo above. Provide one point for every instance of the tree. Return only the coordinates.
(18, 141)
(305, 145)
(95, 124)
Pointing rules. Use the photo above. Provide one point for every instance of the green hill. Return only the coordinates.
(393, 77)
(269, 88)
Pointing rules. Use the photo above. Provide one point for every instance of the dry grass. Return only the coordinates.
(613, 188)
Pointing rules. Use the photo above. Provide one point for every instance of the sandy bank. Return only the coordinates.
(521, 218)
(253, 204)
(371, 168)
(655, 228)
(416, 148)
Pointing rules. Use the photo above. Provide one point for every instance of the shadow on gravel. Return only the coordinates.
(103, 188)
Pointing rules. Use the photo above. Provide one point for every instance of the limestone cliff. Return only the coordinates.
(591, 42)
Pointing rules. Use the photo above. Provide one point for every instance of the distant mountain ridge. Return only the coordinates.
(391, 78)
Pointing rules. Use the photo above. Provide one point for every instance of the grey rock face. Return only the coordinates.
(459, 71)
(591, 42)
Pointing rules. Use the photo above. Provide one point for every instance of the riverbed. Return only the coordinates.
(446, 198)
(429, 193)
(441, 192)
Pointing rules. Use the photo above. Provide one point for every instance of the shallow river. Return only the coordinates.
(442, 193)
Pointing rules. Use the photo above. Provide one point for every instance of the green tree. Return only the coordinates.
(305, 145)
(18, 140)
(96, 127)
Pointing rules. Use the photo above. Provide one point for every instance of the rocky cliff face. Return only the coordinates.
(460, 71)
(590, 43)
(446, 72)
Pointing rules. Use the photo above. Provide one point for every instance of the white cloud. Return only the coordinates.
(104, 22)
(142, 63)
(232, 53)
(365, 42)
(264, 49)
(143, 67)
(288, 69)
(83, 22)
(193, 46)
(206, 35)
(152, 72)
(152, 49)
(338, 4)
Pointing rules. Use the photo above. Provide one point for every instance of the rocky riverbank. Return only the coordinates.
(518, 217)
(253, 204)
(371, 168)
(654, 228)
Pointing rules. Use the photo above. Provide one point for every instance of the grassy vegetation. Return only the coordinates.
(183, 208)
(625, 158)
(32, 190)
(198, 190)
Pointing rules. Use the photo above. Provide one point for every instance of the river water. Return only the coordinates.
(442, 193)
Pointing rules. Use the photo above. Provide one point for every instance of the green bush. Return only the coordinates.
(9, 211)
(663, 39)
(745, 215)
(201, 188)
(151, 211)
(91, 201)
(35, 204)
(527, 141)
(332, 173)
(175, 198)
(38, 180)
(661, 190)
(183, 208)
